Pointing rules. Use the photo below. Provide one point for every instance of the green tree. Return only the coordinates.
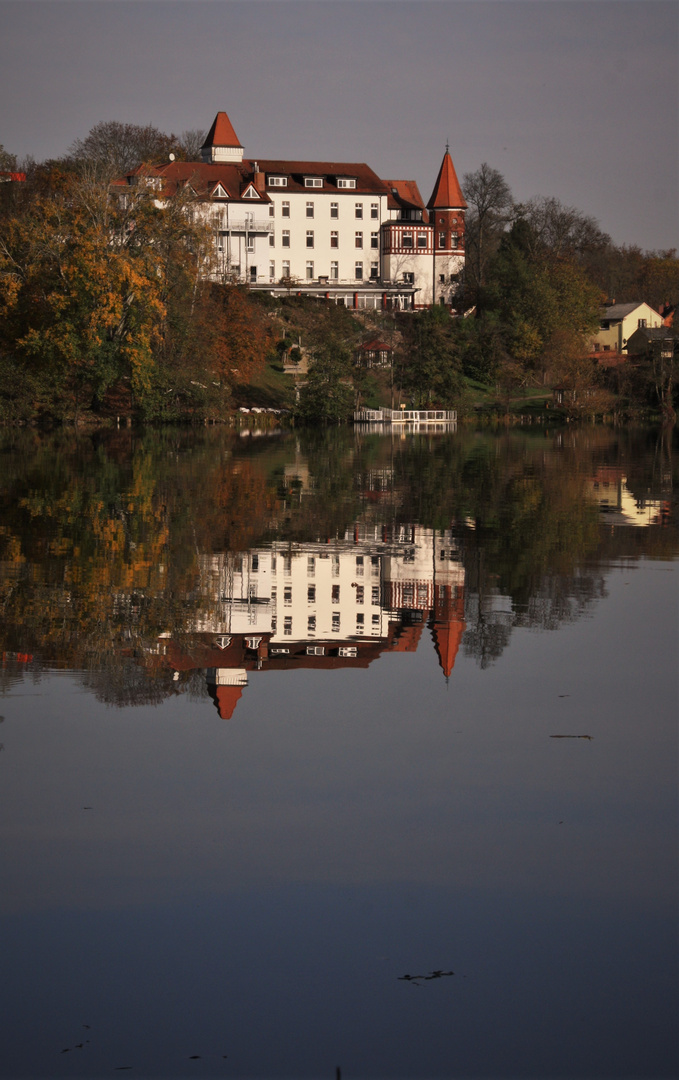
(327, 397)
(431, 371)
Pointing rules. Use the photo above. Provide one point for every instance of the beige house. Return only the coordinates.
(619, 321)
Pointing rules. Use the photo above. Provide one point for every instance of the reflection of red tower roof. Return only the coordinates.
(225, 698)
(447, 193)
(447, 637)
(221, 133)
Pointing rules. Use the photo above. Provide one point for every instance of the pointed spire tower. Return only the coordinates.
(447, 208)
(222, 144)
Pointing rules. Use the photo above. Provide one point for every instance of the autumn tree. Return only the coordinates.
(112, 148)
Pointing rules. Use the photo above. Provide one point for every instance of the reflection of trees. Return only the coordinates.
(101, 539)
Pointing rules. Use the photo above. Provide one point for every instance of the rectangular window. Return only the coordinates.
(315, 650)
(253, 274)
(313, 181)
(421, 240)
(250, 243)
(310, 566)
(285, 270)
(347, 650)
(374, 268)
(358, 209)
(374, 210)
(309, 238)
(334, 271)
(335, 594)
(334, 209)
(278, 181)
(272, 239)
(287, 594)
(360, 594)
(334, 239)
(335, 565)
(287, 559)
(311, 594)
(309, 209)
(310, 271)
(374, 240)
(345, 182)
(442, 239)
(272, 271)
(311, 624)
(285, 238)
(272, 210)
(287, 625)
(360, 620)
(375, 564)
(358, 271)
(376, 620)
(407, 240)
(335, 622)
(358, 239)
(254, 565)
(641, 324)
(442, 278)
(454, 241)
(375, 594)
(285, 209)
(409, 278)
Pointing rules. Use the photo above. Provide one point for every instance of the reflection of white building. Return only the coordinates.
(618, 505)
(329, 605)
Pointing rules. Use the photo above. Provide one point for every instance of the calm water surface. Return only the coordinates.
(335, 750)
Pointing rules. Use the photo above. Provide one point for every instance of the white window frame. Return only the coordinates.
(310, 209)
(310, 238)
(285, 238)
(277, 181)
(375, 210)
(334, 271)
(358, 210)
(374, 240)
(346, 182)
(309, 270)
(285, 208)
(313, 181)
(358, 271)
(334, 210)
(358, 239)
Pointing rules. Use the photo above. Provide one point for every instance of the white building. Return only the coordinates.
(324, 228)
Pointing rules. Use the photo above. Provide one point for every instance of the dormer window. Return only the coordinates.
(346, 182)
(277, 181)
(250, 193)
(313, 181)
(220, 192)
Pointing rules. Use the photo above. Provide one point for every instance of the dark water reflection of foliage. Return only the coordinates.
(101, 537)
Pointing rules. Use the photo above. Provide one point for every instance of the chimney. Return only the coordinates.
(259, 179)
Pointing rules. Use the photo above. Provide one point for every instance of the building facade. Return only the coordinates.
(331, 229)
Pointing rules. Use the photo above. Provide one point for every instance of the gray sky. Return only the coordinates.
(573, 99)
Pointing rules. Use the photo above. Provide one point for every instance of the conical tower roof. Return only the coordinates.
(221, 133)
(447, 193)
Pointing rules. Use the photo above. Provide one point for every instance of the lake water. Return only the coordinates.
(339, 751)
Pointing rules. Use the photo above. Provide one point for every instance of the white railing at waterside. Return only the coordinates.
(405, 416)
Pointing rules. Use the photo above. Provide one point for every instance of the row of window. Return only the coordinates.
(309, 271)
(334, 210)
(312, 181)
(336, 626)
(334, 239)
(311, 561)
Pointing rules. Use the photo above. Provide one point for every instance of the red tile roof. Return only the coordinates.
(221, 133)
(447, 193)
(367, 181)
